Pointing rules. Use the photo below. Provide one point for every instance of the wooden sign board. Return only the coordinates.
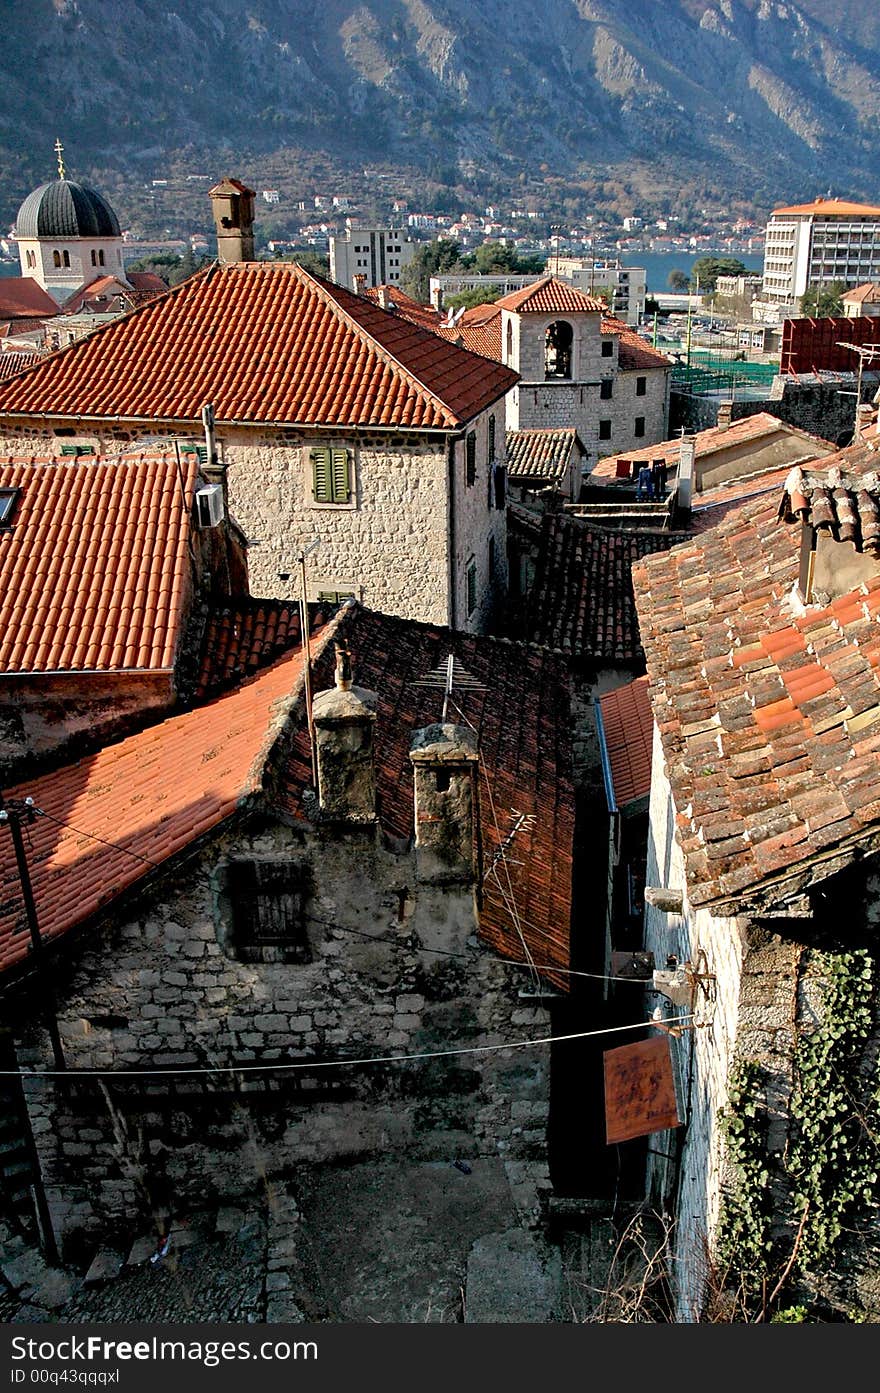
(639, 1090)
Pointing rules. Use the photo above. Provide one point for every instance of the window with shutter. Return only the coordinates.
(331, 474)
(471, 458)
(471, 576)
(263, 903)
(491, 437)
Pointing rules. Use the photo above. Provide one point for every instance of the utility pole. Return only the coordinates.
(304, 623)
(12, 815)
(868, 353)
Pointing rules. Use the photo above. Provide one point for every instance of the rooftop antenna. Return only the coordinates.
(449, 677)
(59, 151)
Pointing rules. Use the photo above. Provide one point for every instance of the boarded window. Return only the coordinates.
(471, 586)
(331, 474)
(262, 908)
(471, 458)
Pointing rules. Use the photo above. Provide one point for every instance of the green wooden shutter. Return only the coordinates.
(340, 475)
(322, 485)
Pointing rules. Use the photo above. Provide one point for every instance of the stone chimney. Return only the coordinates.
(685, 485)
(344, 718)
(384, 297)
(866, 415)
(725, 414)
(444, 759)
(232, 205)
(360, 283)
(437, 297)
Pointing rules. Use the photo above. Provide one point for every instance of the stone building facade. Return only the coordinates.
(762, 891)
(351, 933)
(410, 513)
(580, 369)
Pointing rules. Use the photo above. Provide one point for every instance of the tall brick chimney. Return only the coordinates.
(232, 205)
(444, 759)
(344, 717)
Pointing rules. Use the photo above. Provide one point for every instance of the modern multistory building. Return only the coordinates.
(378, 254)
(817, 244)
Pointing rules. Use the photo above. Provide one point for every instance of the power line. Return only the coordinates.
(376, 938)
(282, 1067)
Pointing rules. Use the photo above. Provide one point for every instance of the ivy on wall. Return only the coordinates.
(831, 1167)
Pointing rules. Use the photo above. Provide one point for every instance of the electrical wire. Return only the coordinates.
(287, 1067)
(529, 964)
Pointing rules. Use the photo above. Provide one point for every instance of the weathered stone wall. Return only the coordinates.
(388, 547)
(395, 968)
(767, 991)
(43, 715)
(820, 409)
(701, 1058)
(557, 405)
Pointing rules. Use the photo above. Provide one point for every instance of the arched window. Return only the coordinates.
(56, 258)
(101, 257)
(94, 257)
(557, 349)
(67, 258)
(509, 358)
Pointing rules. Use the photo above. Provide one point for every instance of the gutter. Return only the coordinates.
(605, 760)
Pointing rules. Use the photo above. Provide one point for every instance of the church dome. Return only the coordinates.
(63, 209)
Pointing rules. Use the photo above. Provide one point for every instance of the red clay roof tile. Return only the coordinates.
(75, 566)
(790, 707)
(263, 342)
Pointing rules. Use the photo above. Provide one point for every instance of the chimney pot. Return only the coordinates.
(384, 297)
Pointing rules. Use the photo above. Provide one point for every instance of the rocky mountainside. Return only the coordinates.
(779, 98)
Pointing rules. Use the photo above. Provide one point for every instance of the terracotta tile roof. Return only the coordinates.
(747, 430)
(263, 342)
(107, 289)
(836, 207)
(94, 565)
(152, 794)
(241, 637)
(404, 305)
(582, 599)
(146, 281)
(523, 720)
(769, 711)
(12, 363)
(550, 296)
(867, 294)
(481, 335)
(158, 791)
(21, 297)
(627, 731)
(541, 454)
(633, 353)
(846, 505)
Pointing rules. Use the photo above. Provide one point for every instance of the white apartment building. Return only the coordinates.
(625, 285)
(379, 254)
(816, 244)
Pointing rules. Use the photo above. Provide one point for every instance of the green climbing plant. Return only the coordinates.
(831, 1167)
(833, 1159)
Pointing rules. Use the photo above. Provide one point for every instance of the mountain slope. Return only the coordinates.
(784, 95)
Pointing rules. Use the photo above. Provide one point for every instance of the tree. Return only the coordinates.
(707, 270)
(432, 259)
(169, 267)
(312, 261)
(494, 258)
(823, 301)
(677, 281)
(482, 295)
